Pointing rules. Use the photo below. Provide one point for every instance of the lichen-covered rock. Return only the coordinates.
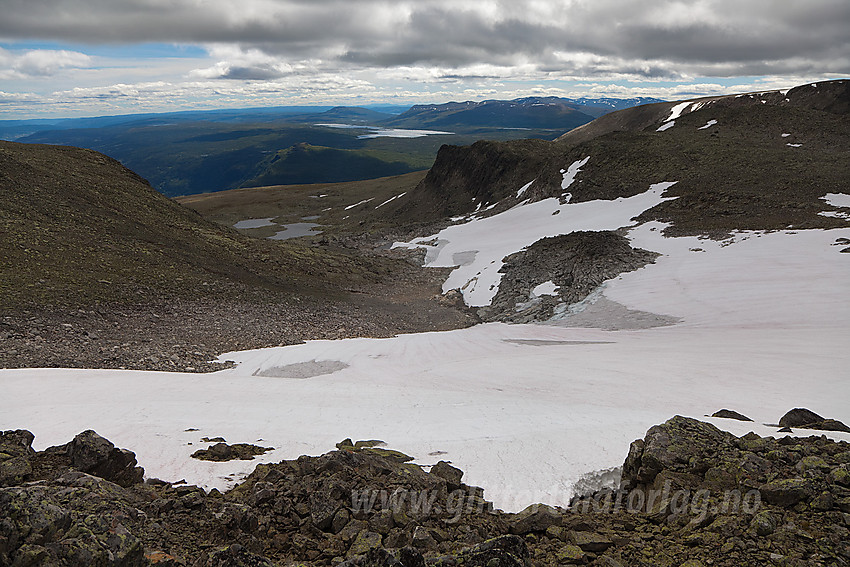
(589, 541)
(748, 497)
(763, 523)
(679, 445)
(236, 556)
(787, 492)
(15, 454)
(503, 551)
(450, 474)
(534, 518)
(364, 541)
(571, 555)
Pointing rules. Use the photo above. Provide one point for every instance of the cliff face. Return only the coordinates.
(688, 490)
(463, 177)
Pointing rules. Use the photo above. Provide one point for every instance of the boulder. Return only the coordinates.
(323, 508)
(91, 453)
(827, 425)
(763, 524)
(450, 474)
(364, 541)
(502, 551)
(678, 445)
(535, 518)
(422, 539)
(730, 414)
(589, 541)
(221, 452)
(786, 492)
(798, 417)
(236, 556)
(15, 455)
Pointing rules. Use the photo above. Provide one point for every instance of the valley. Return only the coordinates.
(523, 310)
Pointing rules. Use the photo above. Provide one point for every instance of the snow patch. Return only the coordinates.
(837, 199)
(666, 126)
(708, 124)
(390, 200)
(506, 233)
(572, 171)
(524, 188)
(358, 204)
(677, 110)
(794, 145)
(546, 288)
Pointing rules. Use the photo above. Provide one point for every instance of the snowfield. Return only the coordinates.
(525, 410)
(477, 247)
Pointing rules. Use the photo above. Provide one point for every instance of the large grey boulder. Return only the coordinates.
(93, 454)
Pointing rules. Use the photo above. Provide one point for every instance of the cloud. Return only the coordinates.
(270, 38)
(40, 62)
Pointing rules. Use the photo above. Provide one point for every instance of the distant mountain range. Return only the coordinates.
(184, 153)
(529, 112)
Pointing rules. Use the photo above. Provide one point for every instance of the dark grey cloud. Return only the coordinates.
(662, 39)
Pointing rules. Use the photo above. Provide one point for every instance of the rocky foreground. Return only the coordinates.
(691, 495)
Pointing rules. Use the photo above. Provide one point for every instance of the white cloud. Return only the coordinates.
(310, 51)
(40, 62)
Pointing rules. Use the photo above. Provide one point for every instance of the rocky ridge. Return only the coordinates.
(577, 263)
(690, 495)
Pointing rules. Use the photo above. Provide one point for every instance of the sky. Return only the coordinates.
(63, 58)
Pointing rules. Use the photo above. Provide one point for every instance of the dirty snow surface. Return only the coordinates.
(760, 326)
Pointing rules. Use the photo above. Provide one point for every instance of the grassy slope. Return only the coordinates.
(195, 157)
(78, 228)
(288, 204)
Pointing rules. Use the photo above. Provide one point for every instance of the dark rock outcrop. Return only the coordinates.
(223, 452)
(730, 414)
(806, 419)
(91, 453)
(576, 263)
